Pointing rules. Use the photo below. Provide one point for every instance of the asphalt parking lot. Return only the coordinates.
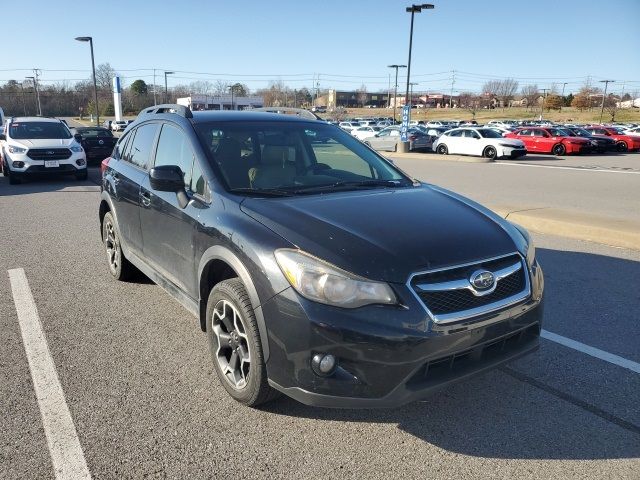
(145, 402)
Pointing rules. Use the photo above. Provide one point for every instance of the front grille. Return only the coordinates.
(49, 153)
(461, 299)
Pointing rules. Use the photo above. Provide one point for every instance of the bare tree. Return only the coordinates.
(220, 87)
(361, 95)
(104, 76)
(531, 93)
(507, 88)
(202, 87)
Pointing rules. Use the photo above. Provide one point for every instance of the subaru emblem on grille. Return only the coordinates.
(482, 279)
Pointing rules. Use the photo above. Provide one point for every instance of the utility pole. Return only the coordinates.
(604, 95)
(36, 73)
(544, 97)
(155, 101)
(389, 93)
(395, 91)
(453, 82)
(411, 91)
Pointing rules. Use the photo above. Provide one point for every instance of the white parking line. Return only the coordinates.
(592, 351)
(579, 169)
(62, 438)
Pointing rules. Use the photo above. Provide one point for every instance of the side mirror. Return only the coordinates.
(78, 137)
(3, 136)
(167, 178)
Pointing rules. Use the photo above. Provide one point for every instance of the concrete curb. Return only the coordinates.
(435, 156)
(577, 225)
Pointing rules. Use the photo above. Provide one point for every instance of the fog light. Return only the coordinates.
(18, 164)
(80, 162)
(323, 364)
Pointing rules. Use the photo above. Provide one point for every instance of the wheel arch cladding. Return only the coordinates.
(218, 264)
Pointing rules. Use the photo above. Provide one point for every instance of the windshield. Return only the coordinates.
(581, 132)
(95, 132)
(38, 130)
(291, 158)
(488, 133)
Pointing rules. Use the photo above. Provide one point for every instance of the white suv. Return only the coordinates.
(37, 145)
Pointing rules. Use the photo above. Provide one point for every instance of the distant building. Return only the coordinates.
(343, 98)
(221, 102)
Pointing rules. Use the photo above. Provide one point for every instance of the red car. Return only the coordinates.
(623, 142)
(550, 140)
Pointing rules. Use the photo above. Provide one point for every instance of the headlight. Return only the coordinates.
(324, 283)
(13, 149)
(531, 248)
(76, 149)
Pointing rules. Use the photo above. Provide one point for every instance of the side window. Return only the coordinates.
(198, 184)
(126, 149)
(118, 150)
(455, 133)
(142, 145)
(538, 133)
(174, 149)
(383, 133)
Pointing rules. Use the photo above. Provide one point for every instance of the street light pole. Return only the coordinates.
(413, 9)
(165, 85)
(544, 97)
(604, 95)
(563, 85)
(24, 104)
(395, 91)
(93, 68)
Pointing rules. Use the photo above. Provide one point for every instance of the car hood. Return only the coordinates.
(511, 141)
(45, 142)
(387, 234)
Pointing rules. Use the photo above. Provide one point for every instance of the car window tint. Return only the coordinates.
(142, 145)
(455, 133)
(174, 149)
(118, 151)
(126, 149)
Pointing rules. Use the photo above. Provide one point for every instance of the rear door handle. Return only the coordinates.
(145, 198)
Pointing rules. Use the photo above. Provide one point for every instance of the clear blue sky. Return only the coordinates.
(347, 42)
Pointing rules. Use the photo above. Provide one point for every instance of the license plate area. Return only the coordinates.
(51, 163)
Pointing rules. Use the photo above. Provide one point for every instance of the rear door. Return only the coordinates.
(169, 231)
(128, 173)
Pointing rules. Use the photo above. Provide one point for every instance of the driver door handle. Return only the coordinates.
(145, 198)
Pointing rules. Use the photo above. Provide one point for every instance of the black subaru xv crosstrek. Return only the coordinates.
(315, 266)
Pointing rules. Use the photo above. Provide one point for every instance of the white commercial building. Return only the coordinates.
(221, 102)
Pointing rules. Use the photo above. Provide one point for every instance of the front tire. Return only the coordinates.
(442, 149)
(622, 146)
(490, 152)
(558, 150)
(119, 266)
(234, 342)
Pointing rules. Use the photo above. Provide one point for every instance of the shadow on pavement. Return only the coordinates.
(55, 183)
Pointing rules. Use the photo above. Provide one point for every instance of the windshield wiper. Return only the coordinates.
(266, 192)
(348, 184)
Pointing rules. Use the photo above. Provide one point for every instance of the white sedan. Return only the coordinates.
(483, 142)
(119, 126)
(364, 132)
(635, 131)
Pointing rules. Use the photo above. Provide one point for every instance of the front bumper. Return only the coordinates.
(389, 356)
(37, 167)
(513, 152)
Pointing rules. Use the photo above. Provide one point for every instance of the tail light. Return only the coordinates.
(412, 138)
(104, 165)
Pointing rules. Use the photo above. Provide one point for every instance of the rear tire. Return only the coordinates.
(558, 149)
(622, 146)
(490, 152)
(442, 149)
(119, 266)
(234, 342)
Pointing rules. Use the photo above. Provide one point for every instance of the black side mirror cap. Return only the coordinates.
(166, 178)
(78, 137)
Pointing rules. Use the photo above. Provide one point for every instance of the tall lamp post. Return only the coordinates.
(413, 9)
(165, 85)
(604, 95)
(395, 91)
(93, 68)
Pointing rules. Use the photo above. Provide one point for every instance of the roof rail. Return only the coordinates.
(167, 108)
(300, 112)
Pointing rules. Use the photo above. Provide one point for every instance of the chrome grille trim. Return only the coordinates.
(453, 317)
